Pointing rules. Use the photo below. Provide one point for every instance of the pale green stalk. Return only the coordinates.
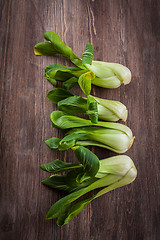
(110, 110)
(109, 75)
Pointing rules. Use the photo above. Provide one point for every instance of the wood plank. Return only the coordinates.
(121, 31)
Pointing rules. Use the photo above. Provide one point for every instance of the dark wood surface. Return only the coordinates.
(127, 32)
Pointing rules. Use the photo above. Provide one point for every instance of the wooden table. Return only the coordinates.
(123, 31)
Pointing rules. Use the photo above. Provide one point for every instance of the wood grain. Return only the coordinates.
(121, 31)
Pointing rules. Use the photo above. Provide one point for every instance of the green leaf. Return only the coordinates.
(65, 143)
(84, 82)
(52, 81)
(93, 112)
(73, 105)
(61, 206)
(92, 109)
(80, 173)
(57, 166)
(113, 136)
(70, 140)
(70, 83)
(60, 48)
(89, 161)
(58, 45)
(64, 121)
(61, 72)
(58, 94)
(111, 110)
(64, 218)
(44, 48)
(114, 181)
(57, 67)
(87, 56)
(57, 211)
(53, 143)
(68, 181)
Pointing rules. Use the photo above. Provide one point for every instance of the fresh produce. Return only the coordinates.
(90, 173)
(103, 74)
(111, 173)
(114, 136)
(95, 107)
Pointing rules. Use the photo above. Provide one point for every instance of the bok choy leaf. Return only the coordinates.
(56, 46)
(58, 94)
(83, 172)
(56, 72)
(57, 166)
(87, 56)
(84, 82)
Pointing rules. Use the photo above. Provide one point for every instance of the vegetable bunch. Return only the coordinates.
(107, 174)
(114, 136)
(96, 108)
(90, 173)
(87, 72)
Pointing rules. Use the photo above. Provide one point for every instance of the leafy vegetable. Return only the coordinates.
(107, 75)
(89, 173)
(95, 107)
(64, 121)
(114, 172)
(113, 136)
